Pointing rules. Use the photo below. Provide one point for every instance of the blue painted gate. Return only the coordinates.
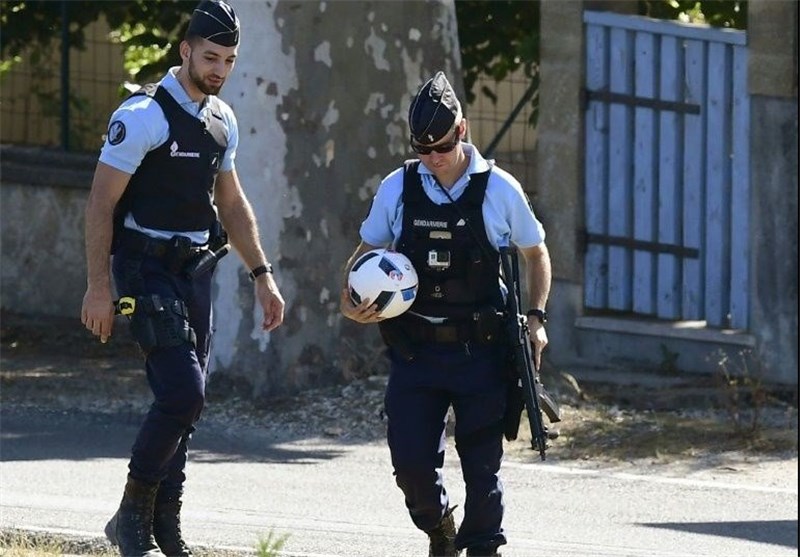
(667, 170)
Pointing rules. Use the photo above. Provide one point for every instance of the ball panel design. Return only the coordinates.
(386, 278)
(363, 259)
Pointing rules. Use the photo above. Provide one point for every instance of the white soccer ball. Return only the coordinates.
(387, 278)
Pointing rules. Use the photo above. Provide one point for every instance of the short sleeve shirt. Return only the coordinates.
(145, 127)
(138, 126)
(507, 213)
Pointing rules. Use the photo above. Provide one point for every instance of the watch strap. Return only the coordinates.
(540, 314)
(258, 271)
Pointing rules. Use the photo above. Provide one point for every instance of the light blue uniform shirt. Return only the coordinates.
(507, 216)
(146, 128)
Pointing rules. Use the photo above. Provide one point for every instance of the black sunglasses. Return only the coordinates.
(443, 148)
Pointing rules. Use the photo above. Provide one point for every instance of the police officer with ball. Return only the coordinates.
(450, 211)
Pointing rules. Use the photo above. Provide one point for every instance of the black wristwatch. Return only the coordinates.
(260, 270)
(540, 314)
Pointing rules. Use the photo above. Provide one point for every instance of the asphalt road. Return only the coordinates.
(64, 472)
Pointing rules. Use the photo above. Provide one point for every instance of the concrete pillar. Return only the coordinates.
(772, 80)
(559, 164)
(559, 161)
(772, 38)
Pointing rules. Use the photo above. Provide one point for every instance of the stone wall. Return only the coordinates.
(42, 200)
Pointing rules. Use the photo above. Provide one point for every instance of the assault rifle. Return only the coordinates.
(528, 391)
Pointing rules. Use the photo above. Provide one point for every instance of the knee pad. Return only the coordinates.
(158, 322)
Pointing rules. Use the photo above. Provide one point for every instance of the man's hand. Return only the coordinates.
(271, 301)
(97, 312)
(538, 341)
(365, 312)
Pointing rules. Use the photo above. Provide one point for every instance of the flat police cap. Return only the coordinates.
(433, 111)
(216, 21)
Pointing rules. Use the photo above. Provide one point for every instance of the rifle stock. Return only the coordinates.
(529, 390)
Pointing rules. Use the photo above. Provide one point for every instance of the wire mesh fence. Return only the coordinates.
(493, 124)
(32, 109)
(31, 104)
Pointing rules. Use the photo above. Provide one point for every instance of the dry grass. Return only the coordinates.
(17, 543)
(614, 423)
(610, 434)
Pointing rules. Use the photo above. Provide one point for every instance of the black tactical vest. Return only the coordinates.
(448, 246)
(173, 187)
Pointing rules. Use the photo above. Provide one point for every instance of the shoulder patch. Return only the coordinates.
(116, 133)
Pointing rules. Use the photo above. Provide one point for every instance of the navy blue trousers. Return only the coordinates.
(176, 375)
(418, 396)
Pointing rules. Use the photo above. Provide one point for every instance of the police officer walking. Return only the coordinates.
(450, 211)
(165, 201)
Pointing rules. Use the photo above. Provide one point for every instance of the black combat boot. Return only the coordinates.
(167, 522)
(131, 527)
(442, 538)
(482, 552)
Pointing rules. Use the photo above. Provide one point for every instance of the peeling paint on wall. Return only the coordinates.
(254, 90)
(376, 47)
(396, 139)
(370, 186)
(374, 101)
(293, 207)
(331, 116)
(323, 54)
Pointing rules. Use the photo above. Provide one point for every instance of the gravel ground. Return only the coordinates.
(54, 363)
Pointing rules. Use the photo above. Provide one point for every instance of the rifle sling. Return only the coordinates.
(469, 226)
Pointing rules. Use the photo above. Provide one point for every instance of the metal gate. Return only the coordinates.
(667, 170)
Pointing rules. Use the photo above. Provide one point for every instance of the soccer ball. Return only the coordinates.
(387, 278)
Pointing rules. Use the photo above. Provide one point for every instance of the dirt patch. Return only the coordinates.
(55, 361)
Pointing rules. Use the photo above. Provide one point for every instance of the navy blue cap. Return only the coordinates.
(216, 21)
(434, 110)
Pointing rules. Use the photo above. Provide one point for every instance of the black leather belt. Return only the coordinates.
(442, 333)
(179, 247)
(451, 331)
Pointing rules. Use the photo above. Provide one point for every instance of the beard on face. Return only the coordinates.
(198, 82)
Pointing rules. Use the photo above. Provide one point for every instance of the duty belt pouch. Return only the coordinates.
(487, 323)
(395, 336)
(218, 237)
(199, 263)
(515, 397)
(160, 323)
(515, 403)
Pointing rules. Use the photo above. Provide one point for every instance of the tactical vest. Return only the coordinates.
(173, 187)
(448, 246)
